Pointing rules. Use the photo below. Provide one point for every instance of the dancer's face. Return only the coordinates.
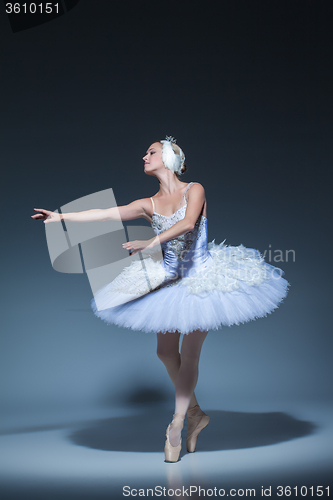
(153, 159)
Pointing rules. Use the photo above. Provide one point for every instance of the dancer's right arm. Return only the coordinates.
(134, 210)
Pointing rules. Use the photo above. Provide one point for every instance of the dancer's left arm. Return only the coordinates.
(196, 199)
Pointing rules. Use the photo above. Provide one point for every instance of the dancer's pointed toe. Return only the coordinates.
(172, 452)
(196, 421)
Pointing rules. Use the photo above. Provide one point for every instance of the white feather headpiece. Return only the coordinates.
(171, 160)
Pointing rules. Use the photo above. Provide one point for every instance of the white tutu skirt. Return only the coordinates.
(235, 286)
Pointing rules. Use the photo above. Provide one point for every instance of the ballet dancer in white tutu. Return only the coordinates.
(196, 287)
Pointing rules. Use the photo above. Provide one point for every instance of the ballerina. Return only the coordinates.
(195, 287)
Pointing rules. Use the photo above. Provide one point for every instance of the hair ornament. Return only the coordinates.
(172, 160)
(170, 139)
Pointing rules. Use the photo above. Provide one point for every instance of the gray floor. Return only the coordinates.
(95, 453)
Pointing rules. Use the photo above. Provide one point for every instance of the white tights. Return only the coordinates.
(182, 368)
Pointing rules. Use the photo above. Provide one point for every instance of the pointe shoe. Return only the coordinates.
(196, 421)
(172, 452)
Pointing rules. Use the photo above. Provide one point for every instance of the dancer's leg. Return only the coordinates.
(187, 376)
(168, 352)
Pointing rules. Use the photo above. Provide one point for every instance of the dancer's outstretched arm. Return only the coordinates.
(134, 210)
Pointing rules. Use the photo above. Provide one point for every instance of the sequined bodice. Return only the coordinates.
(187, 252)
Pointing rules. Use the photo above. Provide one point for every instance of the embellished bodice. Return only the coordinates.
(181, 245)
(187, 253)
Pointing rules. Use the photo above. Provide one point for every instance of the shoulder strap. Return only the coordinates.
(153, 204)
(187, 188)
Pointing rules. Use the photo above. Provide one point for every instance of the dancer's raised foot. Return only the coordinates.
(173, 442)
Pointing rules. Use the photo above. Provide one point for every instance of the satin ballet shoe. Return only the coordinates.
(196, 421)
(172, 452)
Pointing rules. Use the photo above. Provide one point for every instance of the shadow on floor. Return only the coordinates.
(226, 431)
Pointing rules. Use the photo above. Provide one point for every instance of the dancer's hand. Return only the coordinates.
(137, 245)
(46, 215)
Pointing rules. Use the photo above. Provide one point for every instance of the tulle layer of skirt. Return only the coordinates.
(238, 287)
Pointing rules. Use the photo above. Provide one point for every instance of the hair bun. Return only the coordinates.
(183, 169)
